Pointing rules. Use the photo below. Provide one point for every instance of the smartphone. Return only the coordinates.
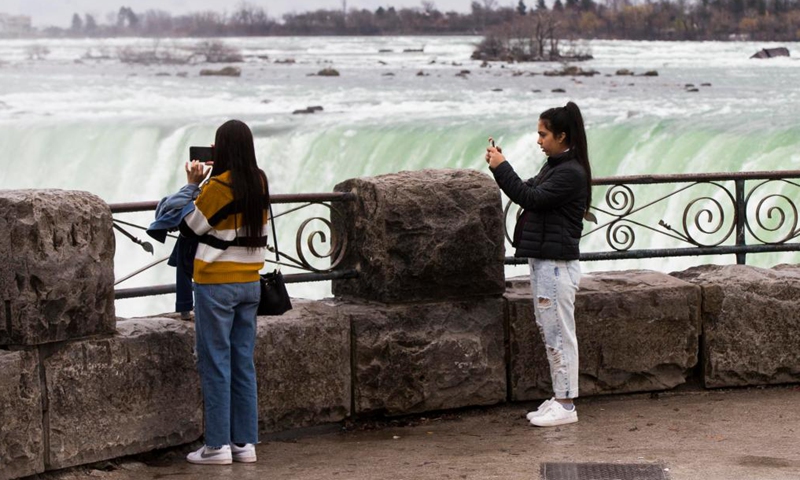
(201, 154)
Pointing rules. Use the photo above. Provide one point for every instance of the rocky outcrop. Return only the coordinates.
(424, 235)
(303, 367)
(21, 439)
(751, 324)
(57, 280)
(307, 110)
(119, 395)
(771, 53)
(571, 71)
(427, 356)
(223, 72)
(637, 331)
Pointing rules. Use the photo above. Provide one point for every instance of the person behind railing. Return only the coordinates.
(554, 203)
(230, 223)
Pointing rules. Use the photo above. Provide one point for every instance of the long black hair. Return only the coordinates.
(234, 151)
(568, 120)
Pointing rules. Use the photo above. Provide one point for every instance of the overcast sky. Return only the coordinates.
(59, 12)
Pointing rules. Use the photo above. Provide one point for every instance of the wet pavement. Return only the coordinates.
(703, 435)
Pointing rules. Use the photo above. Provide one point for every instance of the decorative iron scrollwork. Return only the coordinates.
(309, 240)
(620, 236)
(620, 199)
(782, 216)
(507, 208)
(704, 220)
(338, 243)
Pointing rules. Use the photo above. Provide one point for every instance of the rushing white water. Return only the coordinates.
(123, 132)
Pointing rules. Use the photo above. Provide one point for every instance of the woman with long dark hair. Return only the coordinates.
(548, 232)
(229, 222)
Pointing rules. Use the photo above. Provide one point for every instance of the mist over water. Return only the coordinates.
(123, 132)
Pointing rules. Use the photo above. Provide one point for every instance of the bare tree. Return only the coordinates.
(250, 18)
(216, 51)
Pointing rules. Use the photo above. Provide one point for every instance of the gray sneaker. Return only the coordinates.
(211, 456)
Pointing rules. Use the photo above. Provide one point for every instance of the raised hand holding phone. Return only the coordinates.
(199, 159)
(195, 172)
(494, 154)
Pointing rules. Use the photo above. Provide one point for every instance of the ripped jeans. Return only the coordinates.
(554, 283)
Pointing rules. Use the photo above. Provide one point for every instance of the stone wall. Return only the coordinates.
(427, 356)
(127, 393)
(751, 324)
(428, 235)
(303, 367)
(79, 386)
(57, 280)
(21, 438)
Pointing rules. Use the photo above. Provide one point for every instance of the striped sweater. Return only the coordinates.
(221, 254)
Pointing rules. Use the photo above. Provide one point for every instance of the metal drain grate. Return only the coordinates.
(602, 471)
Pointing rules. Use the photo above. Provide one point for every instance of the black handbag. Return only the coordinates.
(274, 297)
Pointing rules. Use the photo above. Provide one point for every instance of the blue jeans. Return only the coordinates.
(554, 283)
(225, 324)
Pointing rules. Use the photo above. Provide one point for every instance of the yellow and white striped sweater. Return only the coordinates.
(221, 256)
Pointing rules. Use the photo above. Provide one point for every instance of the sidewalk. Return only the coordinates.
(703, 435)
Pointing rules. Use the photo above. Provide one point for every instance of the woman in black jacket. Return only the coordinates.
(548, 232)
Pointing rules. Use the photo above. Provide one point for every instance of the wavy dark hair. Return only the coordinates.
(234, 151)
(568, 120)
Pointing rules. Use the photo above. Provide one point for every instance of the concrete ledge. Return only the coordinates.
(21, 439)
(751, 324)
(427, 356)
(119, 395)
(637, 331)
(303, 367)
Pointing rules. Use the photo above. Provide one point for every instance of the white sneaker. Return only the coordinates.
(211, 456)
(555, 414)
(246, 454)
(541, 409)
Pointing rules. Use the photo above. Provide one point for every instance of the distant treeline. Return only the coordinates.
(611, 19)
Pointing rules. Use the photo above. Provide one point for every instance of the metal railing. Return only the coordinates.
(702, 214)
(305, 256)
(696, 214)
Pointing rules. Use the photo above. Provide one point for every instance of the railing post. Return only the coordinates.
(741, 214)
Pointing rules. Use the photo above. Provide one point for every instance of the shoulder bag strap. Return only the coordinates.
(271, 219)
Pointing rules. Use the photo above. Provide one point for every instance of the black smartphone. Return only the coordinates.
(201, 154)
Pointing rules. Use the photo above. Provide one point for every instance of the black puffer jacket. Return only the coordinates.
(554, 202)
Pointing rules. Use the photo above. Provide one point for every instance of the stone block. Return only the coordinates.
(57, 252)
(21, 438)
(124, 394)
(637, 331)
(303, 367)
(427, 356)
(422, 236)
(751, 324)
